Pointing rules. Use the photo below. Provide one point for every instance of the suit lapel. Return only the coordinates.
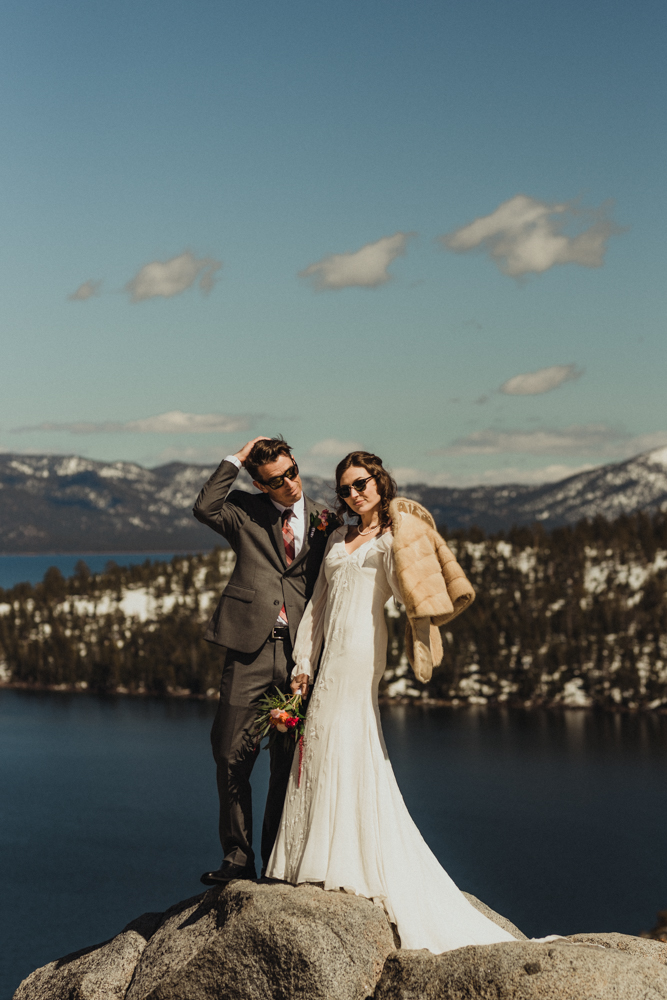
(309, 507)
(275, 529)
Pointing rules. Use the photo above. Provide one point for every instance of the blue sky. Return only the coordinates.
(320, 167)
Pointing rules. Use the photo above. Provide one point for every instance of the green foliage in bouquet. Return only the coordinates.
(279, 716)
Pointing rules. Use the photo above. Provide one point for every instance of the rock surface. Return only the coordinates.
(639, 946)
(246, 942)
(503, 922)
(255, 942)
(522, 970)
(252, 941)
(659, 932)
(101, 972)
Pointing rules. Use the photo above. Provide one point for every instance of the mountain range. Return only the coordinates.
(66, 503)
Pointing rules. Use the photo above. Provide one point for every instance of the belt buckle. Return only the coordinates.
(278, 632)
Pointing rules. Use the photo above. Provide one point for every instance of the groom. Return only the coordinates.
(279, 542)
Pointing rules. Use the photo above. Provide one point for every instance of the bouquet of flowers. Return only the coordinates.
(281, 717)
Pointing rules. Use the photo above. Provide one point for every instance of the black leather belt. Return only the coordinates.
(279, 632)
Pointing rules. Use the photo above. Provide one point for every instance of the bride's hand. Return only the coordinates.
(300, 684)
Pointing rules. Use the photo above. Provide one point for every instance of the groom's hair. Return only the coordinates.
(263, 452)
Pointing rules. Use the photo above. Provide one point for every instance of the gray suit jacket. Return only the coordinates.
(261, 580)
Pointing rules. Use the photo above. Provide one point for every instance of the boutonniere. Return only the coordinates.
(326, 522)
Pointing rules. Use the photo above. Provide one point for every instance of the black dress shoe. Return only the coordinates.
(227, 873)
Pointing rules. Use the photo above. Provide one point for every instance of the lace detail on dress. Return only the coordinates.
(339, 591)
(322, 685)
(347, 827)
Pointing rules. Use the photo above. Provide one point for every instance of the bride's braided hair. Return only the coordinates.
(385, 484)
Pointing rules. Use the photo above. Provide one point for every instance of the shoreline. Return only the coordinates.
(183, 694)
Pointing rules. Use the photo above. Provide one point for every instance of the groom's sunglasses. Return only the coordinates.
(359, 485)
(276, 482)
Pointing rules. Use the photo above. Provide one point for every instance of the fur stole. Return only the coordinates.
(434, 587)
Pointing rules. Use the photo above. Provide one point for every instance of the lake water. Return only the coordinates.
(109, 809)
(31, 569)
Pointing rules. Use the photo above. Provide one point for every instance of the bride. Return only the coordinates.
(345, 824)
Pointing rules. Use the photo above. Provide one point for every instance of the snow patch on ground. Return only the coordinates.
(138, 604)
(574, 696)
(601, 574)
(525, 562)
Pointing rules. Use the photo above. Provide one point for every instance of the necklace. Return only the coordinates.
(368, 530)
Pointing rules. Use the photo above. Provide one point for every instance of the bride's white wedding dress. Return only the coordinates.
(346, 825)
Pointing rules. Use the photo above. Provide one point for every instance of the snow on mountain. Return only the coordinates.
(637, 484)
(640, 483)
(66, 503)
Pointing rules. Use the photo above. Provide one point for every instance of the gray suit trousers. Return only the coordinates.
(246, 678)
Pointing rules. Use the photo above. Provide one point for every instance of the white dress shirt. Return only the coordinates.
(297, 520)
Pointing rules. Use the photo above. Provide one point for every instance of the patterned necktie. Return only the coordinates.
(288, 534)
(288, 538)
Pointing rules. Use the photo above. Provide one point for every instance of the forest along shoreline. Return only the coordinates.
(571, 618)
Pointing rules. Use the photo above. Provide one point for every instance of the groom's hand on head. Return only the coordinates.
(246, 449)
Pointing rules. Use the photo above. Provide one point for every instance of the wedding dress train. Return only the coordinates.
(345, 823)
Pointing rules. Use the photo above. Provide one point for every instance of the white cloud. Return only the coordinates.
(578, 439)
(323, 457)
(404, 474)
(171, 277)
(365, 268)
(645, 442)
(333, 448)
(174, 422)
(532, 477)
(524, 235)
(191, 456)
(85, 291)
(543, 380)
(177, 422)
(488, 477)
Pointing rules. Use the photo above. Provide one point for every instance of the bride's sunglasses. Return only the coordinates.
(359, 485)
(275, 482)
